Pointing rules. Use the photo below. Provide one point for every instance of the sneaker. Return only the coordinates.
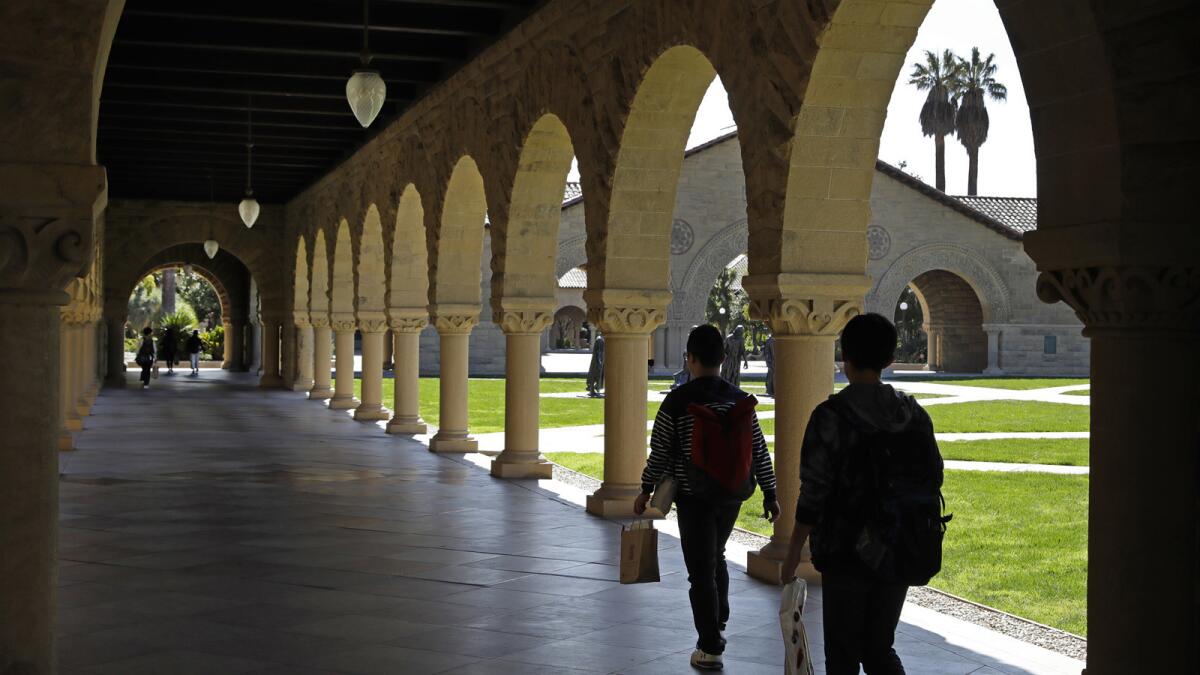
(705, 661)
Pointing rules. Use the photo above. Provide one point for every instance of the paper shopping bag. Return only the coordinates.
(795, 639)
(639, 553)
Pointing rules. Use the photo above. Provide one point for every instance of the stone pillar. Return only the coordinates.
(406, 336)
(86, 357)
(66, 426)
(626, 328)
(235, 345)
(1143, 514)
(226, 345)
(48, 214)
(523, 330)
(116, 350)
(304, 355)
(454, 331)
(389, 358)
(805, 320)
(933, 343)
(371, 409)
(270, 355)
(287, 354)
(321, 360)
(69, 377)
(993, 350)
(343, 340)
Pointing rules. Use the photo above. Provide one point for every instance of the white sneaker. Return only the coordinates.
(705, 661)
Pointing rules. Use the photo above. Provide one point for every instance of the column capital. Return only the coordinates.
(523, 322)
(1134, 297)
(372, 322)
(343, 322)
(74, 315)
(300, 319)
(407, 320)
(806, 304)
(451, 319)
(319, 321)
(47, 212)
(627, 311)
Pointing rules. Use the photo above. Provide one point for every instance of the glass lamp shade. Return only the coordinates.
(210, 248)
(249, 209)
(366, 91)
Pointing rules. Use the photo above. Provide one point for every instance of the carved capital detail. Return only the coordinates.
(408, 324)
(455, 323)
(812, 316)
(300, 319)
(522, 322)
(373, 325)
(319, 321)
(343, 325)
(636, 320)
(1136, 297)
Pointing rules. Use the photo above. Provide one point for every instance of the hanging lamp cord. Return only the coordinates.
(249, 143)
(366, 52)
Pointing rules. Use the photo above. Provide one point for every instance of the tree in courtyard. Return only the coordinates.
(725, 300)
(939, 76)
(145, 304)
(200, 295)
(975, 82)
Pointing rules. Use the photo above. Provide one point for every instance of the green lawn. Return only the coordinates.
(1018, 541)
(1021, 383)
(1008, 416)
(1079, 392)
(1063, 451)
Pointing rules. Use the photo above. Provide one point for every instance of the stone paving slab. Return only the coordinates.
(212, 527)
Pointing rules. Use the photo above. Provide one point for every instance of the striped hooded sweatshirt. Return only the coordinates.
(671, 440)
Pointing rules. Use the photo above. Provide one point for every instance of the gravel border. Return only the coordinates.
(1004, 623)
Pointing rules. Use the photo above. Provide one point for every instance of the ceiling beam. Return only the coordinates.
(289, 51)
(355, 26)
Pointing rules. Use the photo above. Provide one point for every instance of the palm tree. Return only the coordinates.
(976, 83)
(938, 76)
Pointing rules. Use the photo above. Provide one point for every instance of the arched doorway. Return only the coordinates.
(953, 322)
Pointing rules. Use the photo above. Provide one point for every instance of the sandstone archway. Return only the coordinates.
(408, 284)
(341, 290)
(300, 278)
(371, 278)
(319, 289)
(456, 244)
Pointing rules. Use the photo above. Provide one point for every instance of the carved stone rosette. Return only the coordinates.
(451, 324)
(813, 316)
(523, 322)
(1135, 297)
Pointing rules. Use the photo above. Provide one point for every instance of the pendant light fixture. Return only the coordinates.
(249, 207)
(210, 245)
(366, 90)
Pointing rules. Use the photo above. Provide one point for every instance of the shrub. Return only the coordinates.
(214, 342)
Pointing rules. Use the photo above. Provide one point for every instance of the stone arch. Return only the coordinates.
(408, 286)
(456, 244)
(523, 244)
(371, 276)
(572, 253)
(319, 288)
(300, 279)
(701, 274)
(341, 287)
(632, 250)
(953, 322)
(567, 322)
(994, 295)
(213, 278)
(229, 275)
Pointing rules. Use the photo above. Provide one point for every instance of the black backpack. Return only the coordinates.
(901, 525)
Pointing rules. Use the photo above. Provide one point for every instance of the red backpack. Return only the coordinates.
(722, 451)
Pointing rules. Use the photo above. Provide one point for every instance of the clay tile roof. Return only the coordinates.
(1019, 213)
(960, 204)
(572, 191)
(574, 278)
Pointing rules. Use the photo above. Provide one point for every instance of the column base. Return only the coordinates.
(374, 413)
(302, 385)
(270, 382)
(83, 409)
(66, 441)
(460, 444)
(613, 501)
(766, 567)
(348, 403)
(73, 424)
(115, 381)
(521, 467)
(320, 394)
(413, 427)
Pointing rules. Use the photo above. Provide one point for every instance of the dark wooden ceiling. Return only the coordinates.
(182, 77)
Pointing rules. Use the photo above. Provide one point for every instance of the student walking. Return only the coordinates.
(194, 345)
(145, 356)
(870, 481)
(689, 425)
(166, 348)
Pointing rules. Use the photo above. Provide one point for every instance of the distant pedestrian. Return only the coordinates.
(707, 438)
(194, 345)
(769, 357)
(870, 480)
(166, 349)
(145, 356)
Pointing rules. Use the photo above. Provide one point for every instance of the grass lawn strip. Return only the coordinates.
(1016, 383)
(1059, 451)
(1018, 541)
(999, 416)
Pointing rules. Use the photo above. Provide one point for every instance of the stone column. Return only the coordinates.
(521, 457)
(48, 215)
(343, 341)
(66, 425)
(116, 350)
(454, 330)
(86, 361)
(227, 345)
(235, 345)
(321, 360)
(69, 377)
(993, 350)
(406, 336)
(371, 409)
(1142, 516)
(626, 328)
(933, 343)
(270, 355)
(805, 320)
(389, 351)
(304, 355)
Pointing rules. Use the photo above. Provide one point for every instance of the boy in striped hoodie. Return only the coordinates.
(704, 523)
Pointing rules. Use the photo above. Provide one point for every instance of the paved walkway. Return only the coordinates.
(210, 527)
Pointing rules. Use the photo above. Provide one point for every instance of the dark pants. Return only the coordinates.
(146, 374)
(704, 527)
(860, 617)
